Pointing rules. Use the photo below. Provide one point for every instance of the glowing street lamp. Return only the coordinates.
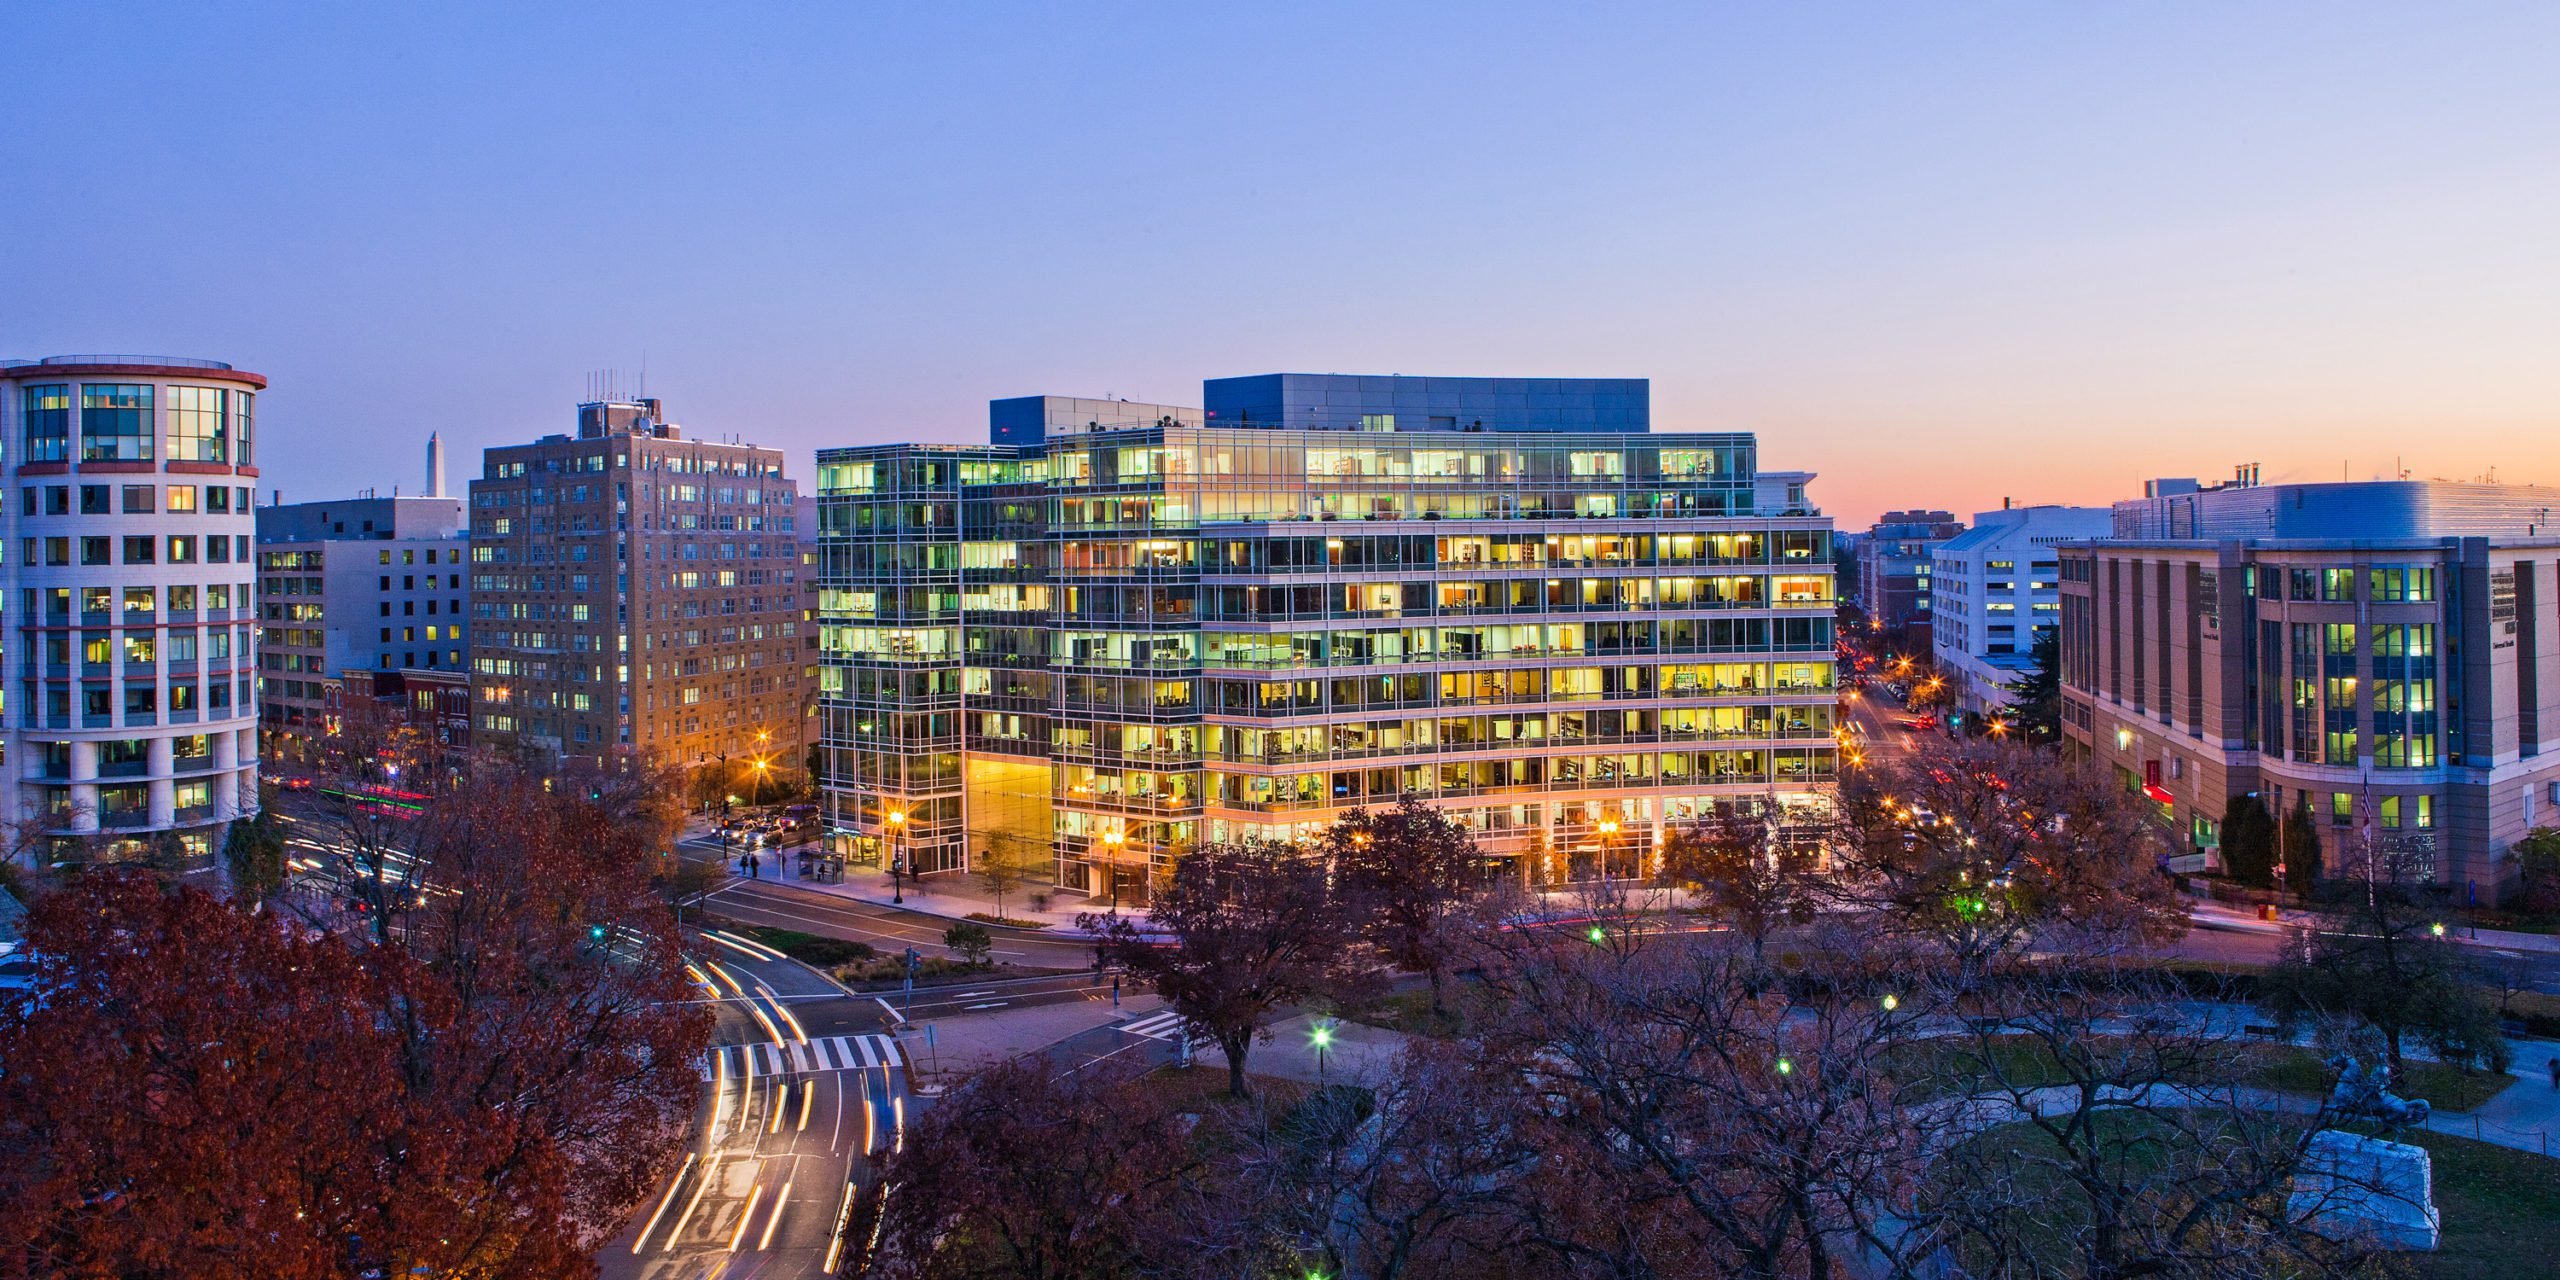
(1111, 842)
(1321, 1035)
(897, 821)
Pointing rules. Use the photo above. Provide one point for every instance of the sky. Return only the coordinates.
(1941, 254)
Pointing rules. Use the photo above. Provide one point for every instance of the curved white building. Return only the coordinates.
(129, 642)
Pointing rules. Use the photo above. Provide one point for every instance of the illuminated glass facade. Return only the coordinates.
(1123, 642)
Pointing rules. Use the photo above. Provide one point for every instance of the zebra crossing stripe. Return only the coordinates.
(1161, 1026)
(833, 1053)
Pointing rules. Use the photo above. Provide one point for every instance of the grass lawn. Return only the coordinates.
(1948, 1067)
(2500, 1207)
(1203, 1087)
(1410, 1012)
(2501, 1211)
(2292, 1069)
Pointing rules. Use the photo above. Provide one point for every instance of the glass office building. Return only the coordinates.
(1125, 640)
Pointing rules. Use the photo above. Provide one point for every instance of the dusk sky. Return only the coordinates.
(1941, 254)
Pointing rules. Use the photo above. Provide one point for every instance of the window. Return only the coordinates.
(217, 499)
(93, 500)
(196, 424)
(97, 550)
(241, 436)
(48, 414)
(182, 549)
(115, 422)
(139, 499)
(182, 498)
(2337, 584)
(2306, 584)
(140, 549)
(2342, 808)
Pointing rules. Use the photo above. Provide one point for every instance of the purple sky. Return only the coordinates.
(1941, 254)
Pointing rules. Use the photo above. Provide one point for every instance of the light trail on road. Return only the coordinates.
(674, 1185)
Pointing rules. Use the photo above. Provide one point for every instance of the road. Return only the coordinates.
(787, 906)
(799, 1093)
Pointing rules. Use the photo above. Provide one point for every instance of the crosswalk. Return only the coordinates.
(831, 1053)
(1155, 1026)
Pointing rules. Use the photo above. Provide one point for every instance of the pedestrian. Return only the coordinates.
(755, 867)
(1115, 1003)
(742, 862)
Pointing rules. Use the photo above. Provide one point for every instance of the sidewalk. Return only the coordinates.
(2246, 919)
(951, 895)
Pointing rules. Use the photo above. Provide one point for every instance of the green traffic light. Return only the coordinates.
(1598, 935)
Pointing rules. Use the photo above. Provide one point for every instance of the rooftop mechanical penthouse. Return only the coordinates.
(1106, 641)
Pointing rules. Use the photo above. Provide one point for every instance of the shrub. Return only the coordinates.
(970, 941)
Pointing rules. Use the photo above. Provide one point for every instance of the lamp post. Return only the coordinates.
(897, 857)
(1111, 842)
(1322, 1036)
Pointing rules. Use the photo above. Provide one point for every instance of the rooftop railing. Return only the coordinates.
(174, 362)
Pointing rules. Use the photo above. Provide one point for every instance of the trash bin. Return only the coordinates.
(2267, 912)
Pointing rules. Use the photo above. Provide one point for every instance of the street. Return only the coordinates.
(799, 1091)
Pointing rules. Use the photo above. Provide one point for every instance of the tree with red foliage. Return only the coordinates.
(478, 1081)
(1410, 869)
(189, 1090)
(1242, 930)
(1747, 869)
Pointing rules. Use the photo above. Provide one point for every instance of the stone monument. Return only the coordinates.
(2354, 1187)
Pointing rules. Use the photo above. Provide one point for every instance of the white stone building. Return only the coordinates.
(128, 588)
(1996, 585)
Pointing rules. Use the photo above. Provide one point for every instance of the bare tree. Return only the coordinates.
(2094, 1128)
(1240, 931)
(1701, 1114)
(1023, 1173)
(1002, 865)
(2377, 955)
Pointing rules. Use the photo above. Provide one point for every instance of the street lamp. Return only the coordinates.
(1111, 841)
(1322, 1035)
(897, 857)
